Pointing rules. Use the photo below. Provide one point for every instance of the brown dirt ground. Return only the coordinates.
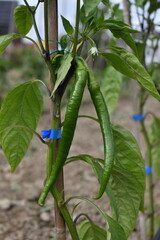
(23, 219)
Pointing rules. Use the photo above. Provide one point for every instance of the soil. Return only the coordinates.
(20, 216)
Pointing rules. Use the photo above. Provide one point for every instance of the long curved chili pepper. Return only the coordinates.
(68, 127)
(103, 116)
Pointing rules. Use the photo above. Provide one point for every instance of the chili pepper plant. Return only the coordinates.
(121, 173)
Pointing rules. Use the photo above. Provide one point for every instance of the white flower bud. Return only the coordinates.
(93, 51)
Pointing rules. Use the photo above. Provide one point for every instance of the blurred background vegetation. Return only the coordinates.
(22, 64)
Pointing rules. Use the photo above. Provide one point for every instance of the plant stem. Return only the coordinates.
(37, 33)
(36, 45)
(66, 214)
(90, 117)
(149, 176)
(35, 26)
(76, 27)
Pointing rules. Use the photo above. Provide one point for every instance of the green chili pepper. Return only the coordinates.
(103, 116)
(68, 127)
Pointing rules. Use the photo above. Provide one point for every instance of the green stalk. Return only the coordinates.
(149, 176)
(76, 27)
(65, 213)
(37, 33)
(36, 45)
(45, 53)
(35, 26)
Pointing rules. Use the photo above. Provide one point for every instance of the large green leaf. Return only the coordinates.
(21, 107)
(135, 69)
(155, 140)
(5, 40)
(127, 181)
(89, 231)
(90, 5)
(63, 70)
(111, 87)
(23, 19)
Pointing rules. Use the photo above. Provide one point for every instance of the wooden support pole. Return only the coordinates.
(60, 228)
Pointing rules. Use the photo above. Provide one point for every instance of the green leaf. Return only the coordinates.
(118, 64)
(115, 229)
(90, 5)
(23, 19)
(118, 25)
(67, 26)
(56, 62)
(117, 234)
(140, 49)
(107, 3)
(127, 180)
(63, 70)
(154, 5)
(5, 40)
(134, 68)
(111, 87)
(89, 231)
(127, 38)
(117, 12)
(141, 3)
(86, 19)
(64, 41)
(22, 106)
(121, 30)
(155, 140)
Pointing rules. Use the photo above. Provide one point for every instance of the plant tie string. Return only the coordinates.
(60, 50)
(138, 117)
(148, 170)
(63, 50)
(51, 133)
